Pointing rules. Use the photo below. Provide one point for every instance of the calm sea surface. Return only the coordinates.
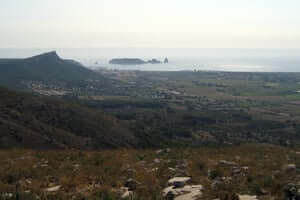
(247, 60)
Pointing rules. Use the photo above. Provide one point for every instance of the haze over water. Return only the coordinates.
(245, 60)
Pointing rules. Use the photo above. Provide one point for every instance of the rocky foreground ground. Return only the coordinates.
(247, 172)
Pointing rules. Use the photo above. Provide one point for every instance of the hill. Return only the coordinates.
(35, 122)
(48, 66)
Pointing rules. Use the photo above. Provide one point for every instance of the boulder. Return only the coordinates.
(125, 192)
(178, 182)
(170, 195)
(188, 192)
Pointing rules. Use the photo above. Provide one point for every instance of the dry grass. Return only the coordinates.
(99, 175)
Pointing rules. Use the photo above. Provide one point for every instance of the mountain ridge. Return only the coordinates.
(43, 67)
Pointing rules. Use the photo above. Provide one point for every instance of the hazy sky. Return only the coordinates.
(150, 23)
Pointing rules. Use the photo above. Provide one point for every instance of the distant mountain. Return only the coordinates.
(48, 66)
(36, 122)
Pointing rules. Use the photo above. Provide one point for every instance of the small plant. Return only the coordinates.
(201, 165)
(215, 173)
(105, 195)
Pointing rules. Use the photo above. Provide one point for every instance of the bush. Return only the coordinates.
(201, 165)
(215, 173)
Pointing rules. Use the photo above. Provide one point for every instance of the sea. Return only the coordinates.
(180, 59)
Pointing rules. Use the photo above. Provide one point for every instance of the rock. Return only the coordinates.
(171, 169)
(159, 151)
(154, 61)
(192, 192)
(7, 195)
(178, 182)
(166, 60)
(247, 197)
(227, 163)
(142, 163)
(237, 157)
(76, 165)
(236, 171)
(53, 189)
(188, 192)
(125, 192)
(131, 184)
(167, 150)
(170, 195)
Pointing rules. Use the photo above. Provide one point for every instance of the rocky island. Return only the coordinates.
(127, 61)
(135, 61)
(154, 61)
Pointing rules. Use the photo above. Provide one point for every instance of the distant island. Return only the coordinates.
(127, 61)
(154, 61)
(134, 61)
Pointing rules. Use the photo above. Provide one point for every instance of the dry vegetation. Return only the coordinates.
(26, 174)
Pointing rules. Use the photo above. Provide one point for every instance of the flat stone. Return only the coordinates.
(228, 163)
(188, 192)
(53, 189)
(247, 197)
(193, 192)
